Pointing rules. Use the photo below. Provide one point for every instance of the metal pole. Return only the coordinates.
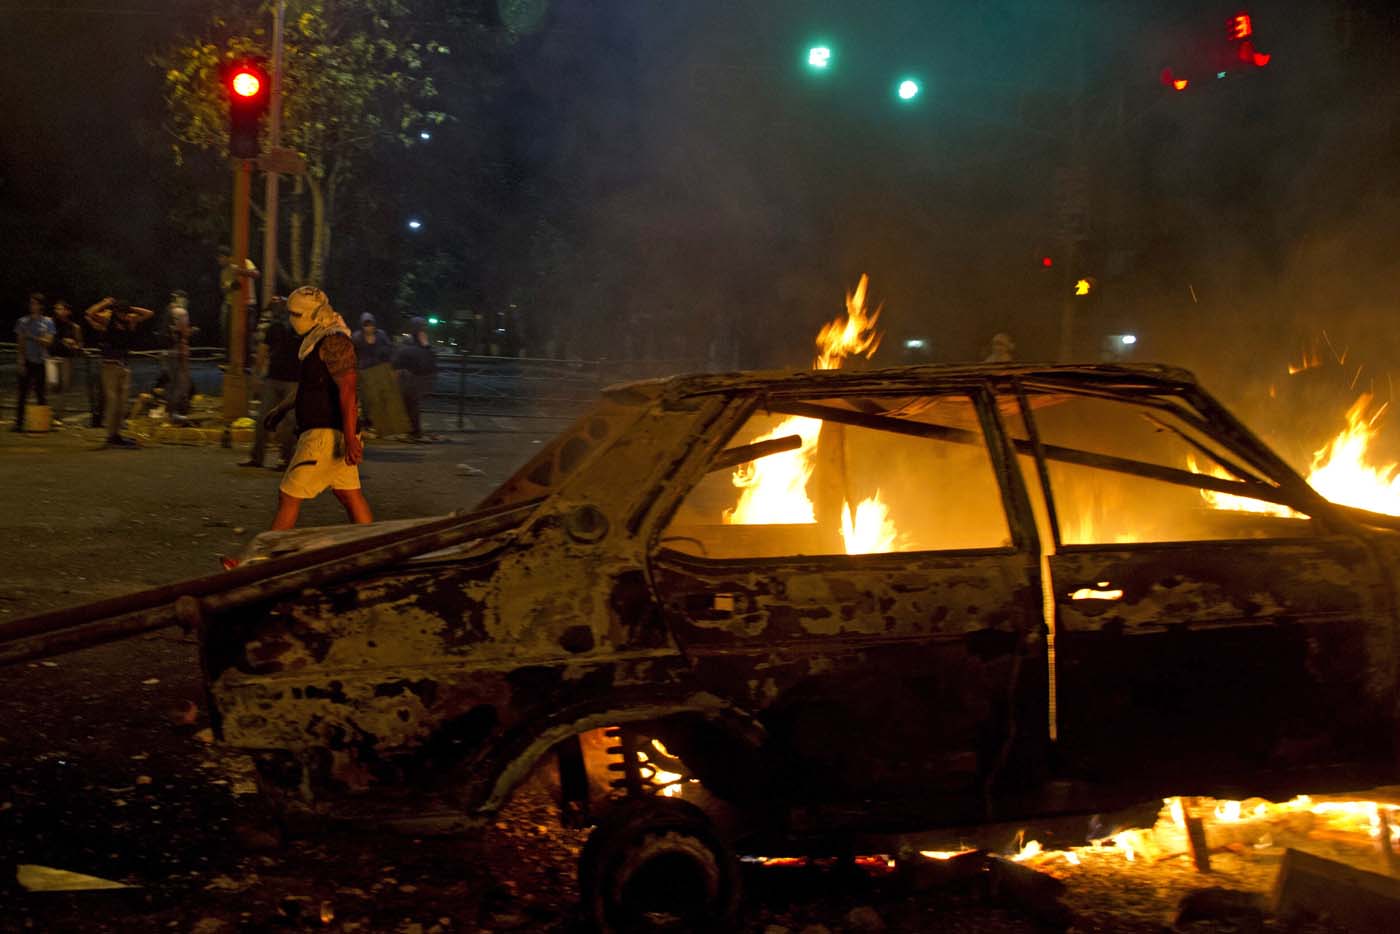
(274, 140)
(235, 380)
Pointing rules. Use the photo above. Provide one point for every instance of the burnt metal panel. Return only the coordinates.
(1221, 660)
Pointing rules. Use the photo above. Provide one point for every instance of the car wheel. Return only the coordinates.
(657, 864)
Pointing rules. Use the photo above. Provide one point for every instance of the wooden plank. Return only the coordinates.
(1196, 835)
(1363, 902)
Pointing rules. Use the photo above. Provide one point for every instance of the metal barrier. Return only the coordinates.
(468, 387)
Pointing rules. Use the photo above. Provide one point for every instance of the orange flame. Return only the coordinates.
(871, 531)
(1343, 473)
(855, 335)
(773, 489)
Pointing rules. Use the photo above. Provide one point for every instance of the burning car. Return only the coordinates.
(826, 603)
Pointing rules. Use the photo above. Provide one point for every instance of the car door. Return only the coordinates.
(907, 679)
(1208, 636)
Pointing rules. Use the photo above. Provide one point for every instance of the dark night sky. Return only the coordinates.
(703, 189)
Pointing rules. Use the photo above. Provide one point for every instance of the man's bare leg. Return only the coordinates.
(356, 506)
(288, 508)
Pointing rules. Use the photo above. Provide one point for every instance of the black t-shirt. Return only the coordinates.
(65, 329)
(282, 347)
(318, 396)
(116, 339)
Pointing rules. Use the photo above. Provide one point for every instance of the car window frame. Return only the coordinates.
(1014, 498)
(1230, 434)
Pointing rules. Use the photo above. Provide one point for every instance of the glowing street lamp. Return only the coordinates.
(908, 89)
(415, 224)
(819, 57)
(424, 135)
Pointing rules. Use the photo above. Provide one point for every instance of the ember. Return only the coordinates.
(1255, 823)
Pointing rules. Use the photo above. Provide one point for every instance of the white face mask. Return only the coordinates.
(302, 308)
(300, 321)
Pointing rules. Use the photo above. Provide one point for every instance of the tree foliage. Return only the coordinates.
(357, 75)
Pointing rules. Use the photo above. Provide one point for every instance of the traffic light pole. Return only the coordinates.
(274, 138)
(235, 380)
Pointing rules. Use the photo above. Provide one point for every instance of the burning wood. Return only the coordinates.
(1363, 826)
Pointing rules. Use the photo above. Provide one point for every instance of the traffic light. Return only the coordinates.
(249, 92)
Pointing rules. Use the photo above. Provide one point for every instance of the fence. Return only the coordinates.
(475, 392)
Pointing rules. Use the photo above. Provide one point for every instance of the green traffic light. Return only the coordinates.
(434, 321)
(908, 89)
(819, 57)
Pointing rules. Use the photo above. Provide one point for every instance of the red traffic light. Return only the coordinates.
(1240, 26)
(1046, 262)
(248, 89)
(246, 82)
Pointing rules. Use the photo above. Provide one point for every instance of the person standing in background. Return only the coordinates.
(33, 335)
(415, 364)
(278, 366)
(372, 346)
(116, 323)
(67, 344)
(181, 383)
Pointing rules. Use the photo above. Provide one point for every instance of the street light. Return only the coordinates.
(908, 89)
(1127, 340)
(424, 134)
(414, 224)
(819, 57)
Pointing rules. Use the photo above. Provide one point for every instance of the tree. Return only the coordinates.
(357, 76)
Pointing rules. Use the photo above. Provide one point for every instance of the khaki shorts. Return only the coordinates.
(317, 463)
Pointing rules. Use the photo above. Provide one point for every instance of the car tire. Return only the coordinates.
(654, 865)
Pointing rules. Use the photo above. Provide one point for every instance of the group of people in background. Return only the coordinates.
(55, 339)
(413, 361)
(50, 337)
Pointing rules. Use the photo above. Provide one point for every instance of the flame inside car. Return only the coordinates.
(773, 489)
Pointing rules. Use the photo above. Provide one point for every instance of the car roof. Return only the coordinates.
(1136, 376)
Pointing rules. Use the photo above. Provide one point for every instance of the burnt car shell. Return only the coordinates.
(882, 691)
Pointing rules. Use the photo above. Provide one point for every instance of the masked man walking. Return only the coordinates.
(328, 450)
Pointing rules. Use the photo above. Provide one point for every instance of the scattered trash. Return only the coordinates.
(467, 470)
(185, 714)
(143, 779)
(205, 735)
(151, 681)
(864, 918)
(229, 884)
(244, 422)
(47, 879)
(48, 664)
(238, 530)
